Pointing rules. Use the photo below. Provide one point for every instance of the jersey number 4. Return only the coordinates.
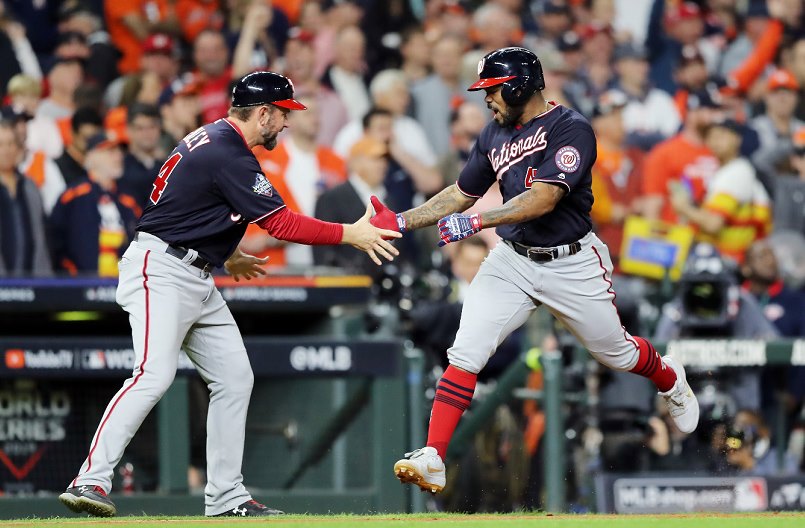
(162, 178)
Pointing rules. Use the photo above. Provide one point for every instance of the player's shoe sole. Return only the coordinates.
(408, 474)
(79, 502)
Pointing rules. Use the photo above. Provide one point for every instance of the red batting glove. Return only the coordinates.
(385, 218)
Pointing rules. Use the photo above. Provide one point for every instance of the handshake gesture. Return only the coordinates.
(452, 228)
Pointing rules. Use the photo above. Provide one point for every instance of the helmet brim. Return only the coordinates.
(290, 104)
(489, 82)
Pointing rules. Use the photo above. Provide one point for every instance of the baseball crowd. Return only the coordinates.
(698, 108)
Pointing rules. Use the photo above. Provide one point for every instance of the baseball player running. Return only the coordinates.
(207, 192)
(541, 153)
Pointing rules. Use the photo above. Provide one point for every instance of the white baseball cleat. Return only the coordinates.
(422, 467)
(681, 402)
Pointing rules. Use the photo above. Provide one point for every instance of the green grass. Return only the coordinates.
(539, 520)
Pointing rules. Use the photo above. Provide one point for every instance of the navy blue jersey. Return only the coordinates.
(557, 147)
(207, 192)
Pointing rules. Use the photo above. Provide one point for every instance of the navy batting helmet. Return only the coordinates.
(517, 69)
(264, 87)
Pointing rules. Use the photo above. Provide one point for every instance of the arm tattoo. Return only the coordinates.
(540, 200)
(449, 200)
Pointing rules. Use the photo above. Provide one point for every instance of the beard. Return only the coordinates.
(269, 139)
(509, 117)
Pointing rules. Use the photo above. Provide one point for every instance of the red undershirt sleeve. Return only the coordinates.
(294, 227)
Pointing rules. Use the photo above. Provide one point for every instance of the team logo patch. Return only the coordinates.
(481, 65)
(567, 159)
(262, 186)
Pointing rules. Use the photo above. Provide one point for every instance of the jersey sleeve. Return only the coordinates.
(569, 156)
(477, 176)
(731, 187)
(247, 189)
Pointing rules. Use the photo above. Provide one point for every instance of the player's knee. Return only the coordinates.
(471, 362)
(617, 353)
(160, 382)
(240, 380)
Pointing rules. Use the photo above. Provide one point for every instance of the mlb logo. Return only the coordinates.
(530, 177)
(15, 358)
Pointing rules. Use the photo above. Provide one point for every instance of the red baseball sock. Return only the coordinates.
(649, 365)
(453, 396)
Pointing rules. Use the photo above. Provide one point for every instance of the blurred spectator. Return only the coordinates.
(415, 52)
(570, 68)
(180, 111)
(65, 76)
(736, 210)
(85, 123)
(159, 66)
(267, 28)
(554, 19)
(617, 173)
(649, 115)
(325, 22)
(23, 247)
(557, 75)
(300, 62)
(749, 448)
(368, 163)
(25, 93)
(257, 43)
(493, 27)
(789, 190)
(346, 76)
(35, 164)
(690, 77)
(197, 15)
(300, 170)
(793, 60)
(408, 144)
(213, 73)
(37, 18)
(145, 154)
(446, 17)
(381, 24)
(683, 159)
(16, 54)
(782, 306)
(76, 17)
(742, 35)
(597, 45)
(437, 95)
(776, 127)
(466, 123)
(130, 22)
(413, 164)
(672, 26)
(92, 223)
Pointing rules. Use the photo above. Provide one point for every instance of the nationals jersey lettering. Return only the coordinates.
(513, 152)
(558, 148)
(213, 189)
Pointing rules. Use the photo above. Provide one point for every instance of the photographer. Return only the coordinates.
(709, 304)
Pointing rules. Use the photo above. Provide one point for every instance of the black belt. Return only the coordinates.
(180, 253)
(540, 254)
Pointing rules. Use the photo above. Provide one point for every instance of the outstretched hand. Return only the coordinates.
(372, 240)
(385, 218)
(457, 227)
(242, 265)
